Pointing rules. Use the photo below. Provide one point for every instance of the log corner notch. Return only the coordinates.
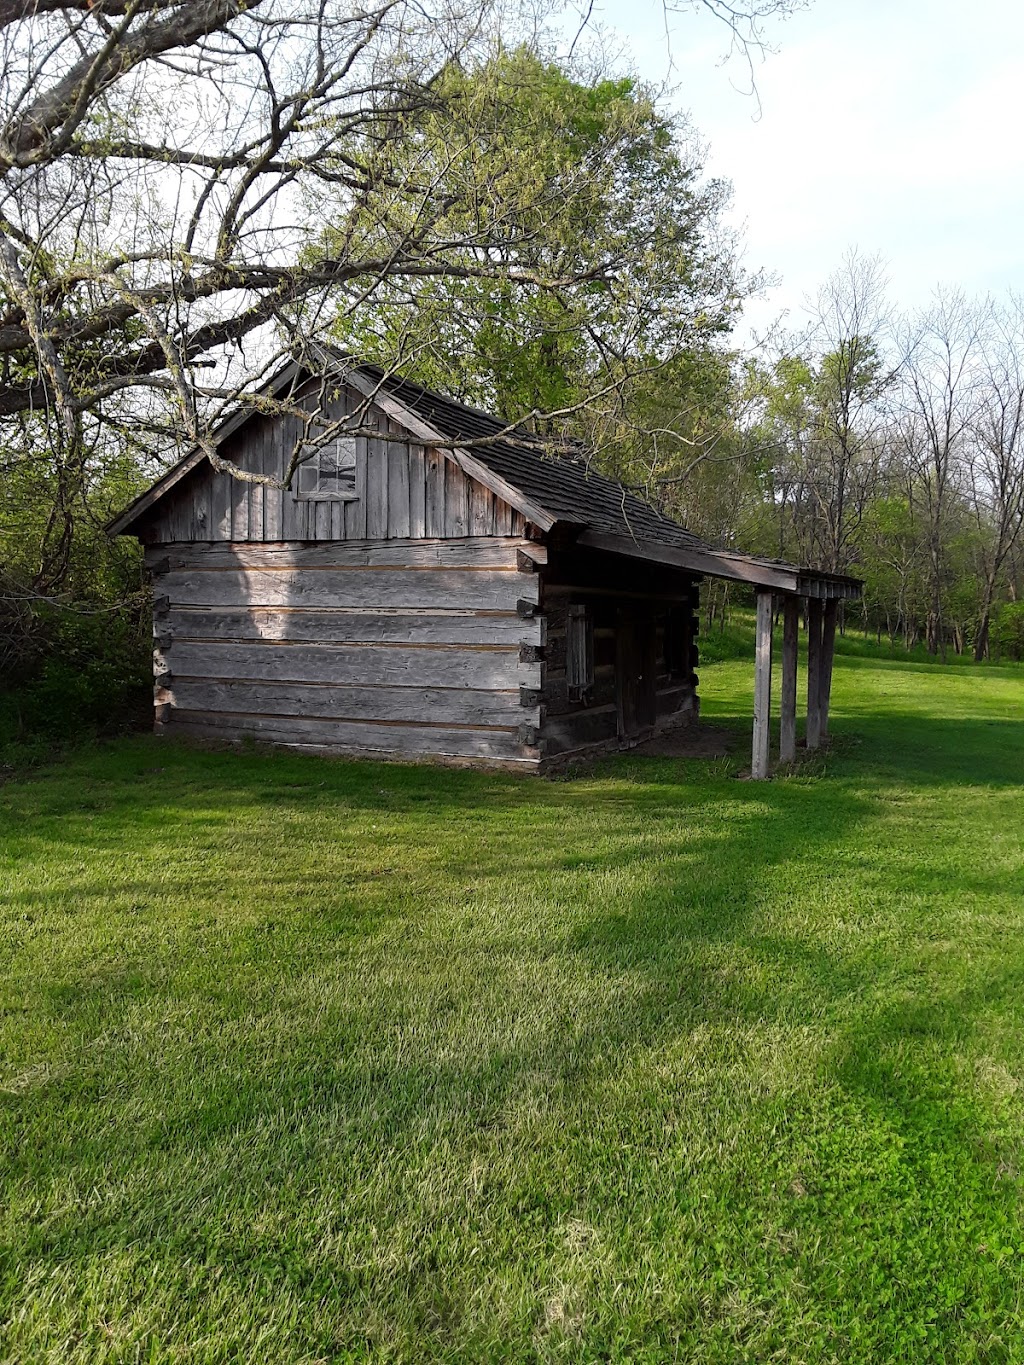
(821, 638)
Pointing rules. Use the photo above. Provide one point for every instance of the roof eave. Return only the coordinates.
(786, 578)
(122, 523)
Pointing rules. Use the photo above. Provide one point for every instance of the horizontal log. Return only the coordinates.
(337, 625)
(556, 594)
(556, 693)
(674, 700)
(458, 705)
(469, 589)
(381, 665)
(412, 741)
(596, 725)
(479, 552)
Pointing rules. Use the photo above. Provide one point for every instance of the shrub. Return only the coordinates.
(1006, 634)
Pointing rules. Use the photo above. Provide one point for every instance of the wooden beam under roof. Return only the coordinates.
(759, 573)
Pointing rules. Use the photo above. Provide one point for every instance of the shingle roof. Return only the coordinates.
(562, 487)
(566, 487)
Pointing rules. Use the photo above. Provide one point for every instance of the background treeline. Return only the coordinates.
(890, 447)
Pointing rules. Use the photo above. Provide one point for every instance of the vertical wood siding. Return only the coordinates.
(403, 492)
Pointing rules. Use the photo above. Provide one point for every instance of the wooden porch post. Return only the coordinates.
(828, 646)
(762, 685)
(790, 637)
(813, 672)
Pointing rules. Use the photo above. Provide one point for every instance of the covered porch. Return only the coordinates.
(777, 586)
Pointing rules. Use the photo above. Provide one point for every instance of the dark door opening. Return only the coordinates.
(635, 670)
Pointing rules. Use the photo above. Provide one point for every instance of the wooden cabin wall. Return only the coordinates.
(403, 492)
(614, 588)
(400, 647)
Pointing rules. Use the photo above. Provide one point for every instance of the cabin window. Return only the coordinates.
(579, 656)
(330, 472)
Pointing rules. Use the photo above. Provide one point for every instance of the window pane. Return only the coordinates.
(329, 471)
(345, 463)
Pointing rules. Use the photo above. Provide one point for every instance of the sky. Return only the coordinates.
(890, 126)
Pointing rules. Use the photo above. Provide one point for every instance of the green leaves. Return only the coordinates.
(583, 245)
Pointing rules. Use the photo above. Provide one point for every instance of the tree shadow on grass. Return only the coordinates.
(264, 1109)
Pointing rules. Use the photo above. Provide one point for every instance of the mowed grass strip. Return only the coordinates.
(304, 1060)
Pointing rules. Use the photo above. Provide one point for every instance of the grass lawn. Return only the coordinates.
(311, 1061)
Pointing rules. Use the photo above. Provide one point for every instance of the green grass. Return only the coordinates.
(311, 1061)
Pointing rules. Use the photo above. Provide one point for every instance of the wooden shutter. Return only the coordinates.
(579, 654)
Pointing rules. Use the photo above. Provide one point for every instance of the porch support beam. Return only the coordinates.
(762, 686)
(814, 661)
(828, 645)
(790, 638)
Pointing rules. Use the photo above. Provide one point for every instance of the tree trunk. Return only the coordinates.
(984, 620)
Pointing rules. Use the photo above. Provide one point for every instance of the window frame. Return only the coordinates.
(313, 461)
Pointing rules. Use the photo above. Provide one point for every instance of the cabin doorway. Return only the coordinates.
(635, 673)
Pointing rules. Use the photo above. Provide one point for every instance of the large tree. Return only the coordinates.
(625, 283)
(164, 165)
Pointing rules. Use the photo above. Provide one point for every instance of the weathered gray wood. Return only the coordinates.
(433, 705)
(675, 700)
(401, 491)
(417, 493)
(707, 561)
(413, 423)
(340, 625)
(359, 736)
(814, 623)
(256, 462)
(553, 592)
(790, 641)
(467, 589)
(762, 686)
(389, 665)
(273, 498)
(579, 654)
(468, 553)
(355, 511)
(435, 475)
(481, 510)
(837, 588)
(595, 726)
(828, 645)
(398, 490)
(238, 497)
(456, 498)
(376, 489)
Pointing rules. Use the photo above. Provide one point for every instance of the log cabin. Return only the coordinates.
(429, 586)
